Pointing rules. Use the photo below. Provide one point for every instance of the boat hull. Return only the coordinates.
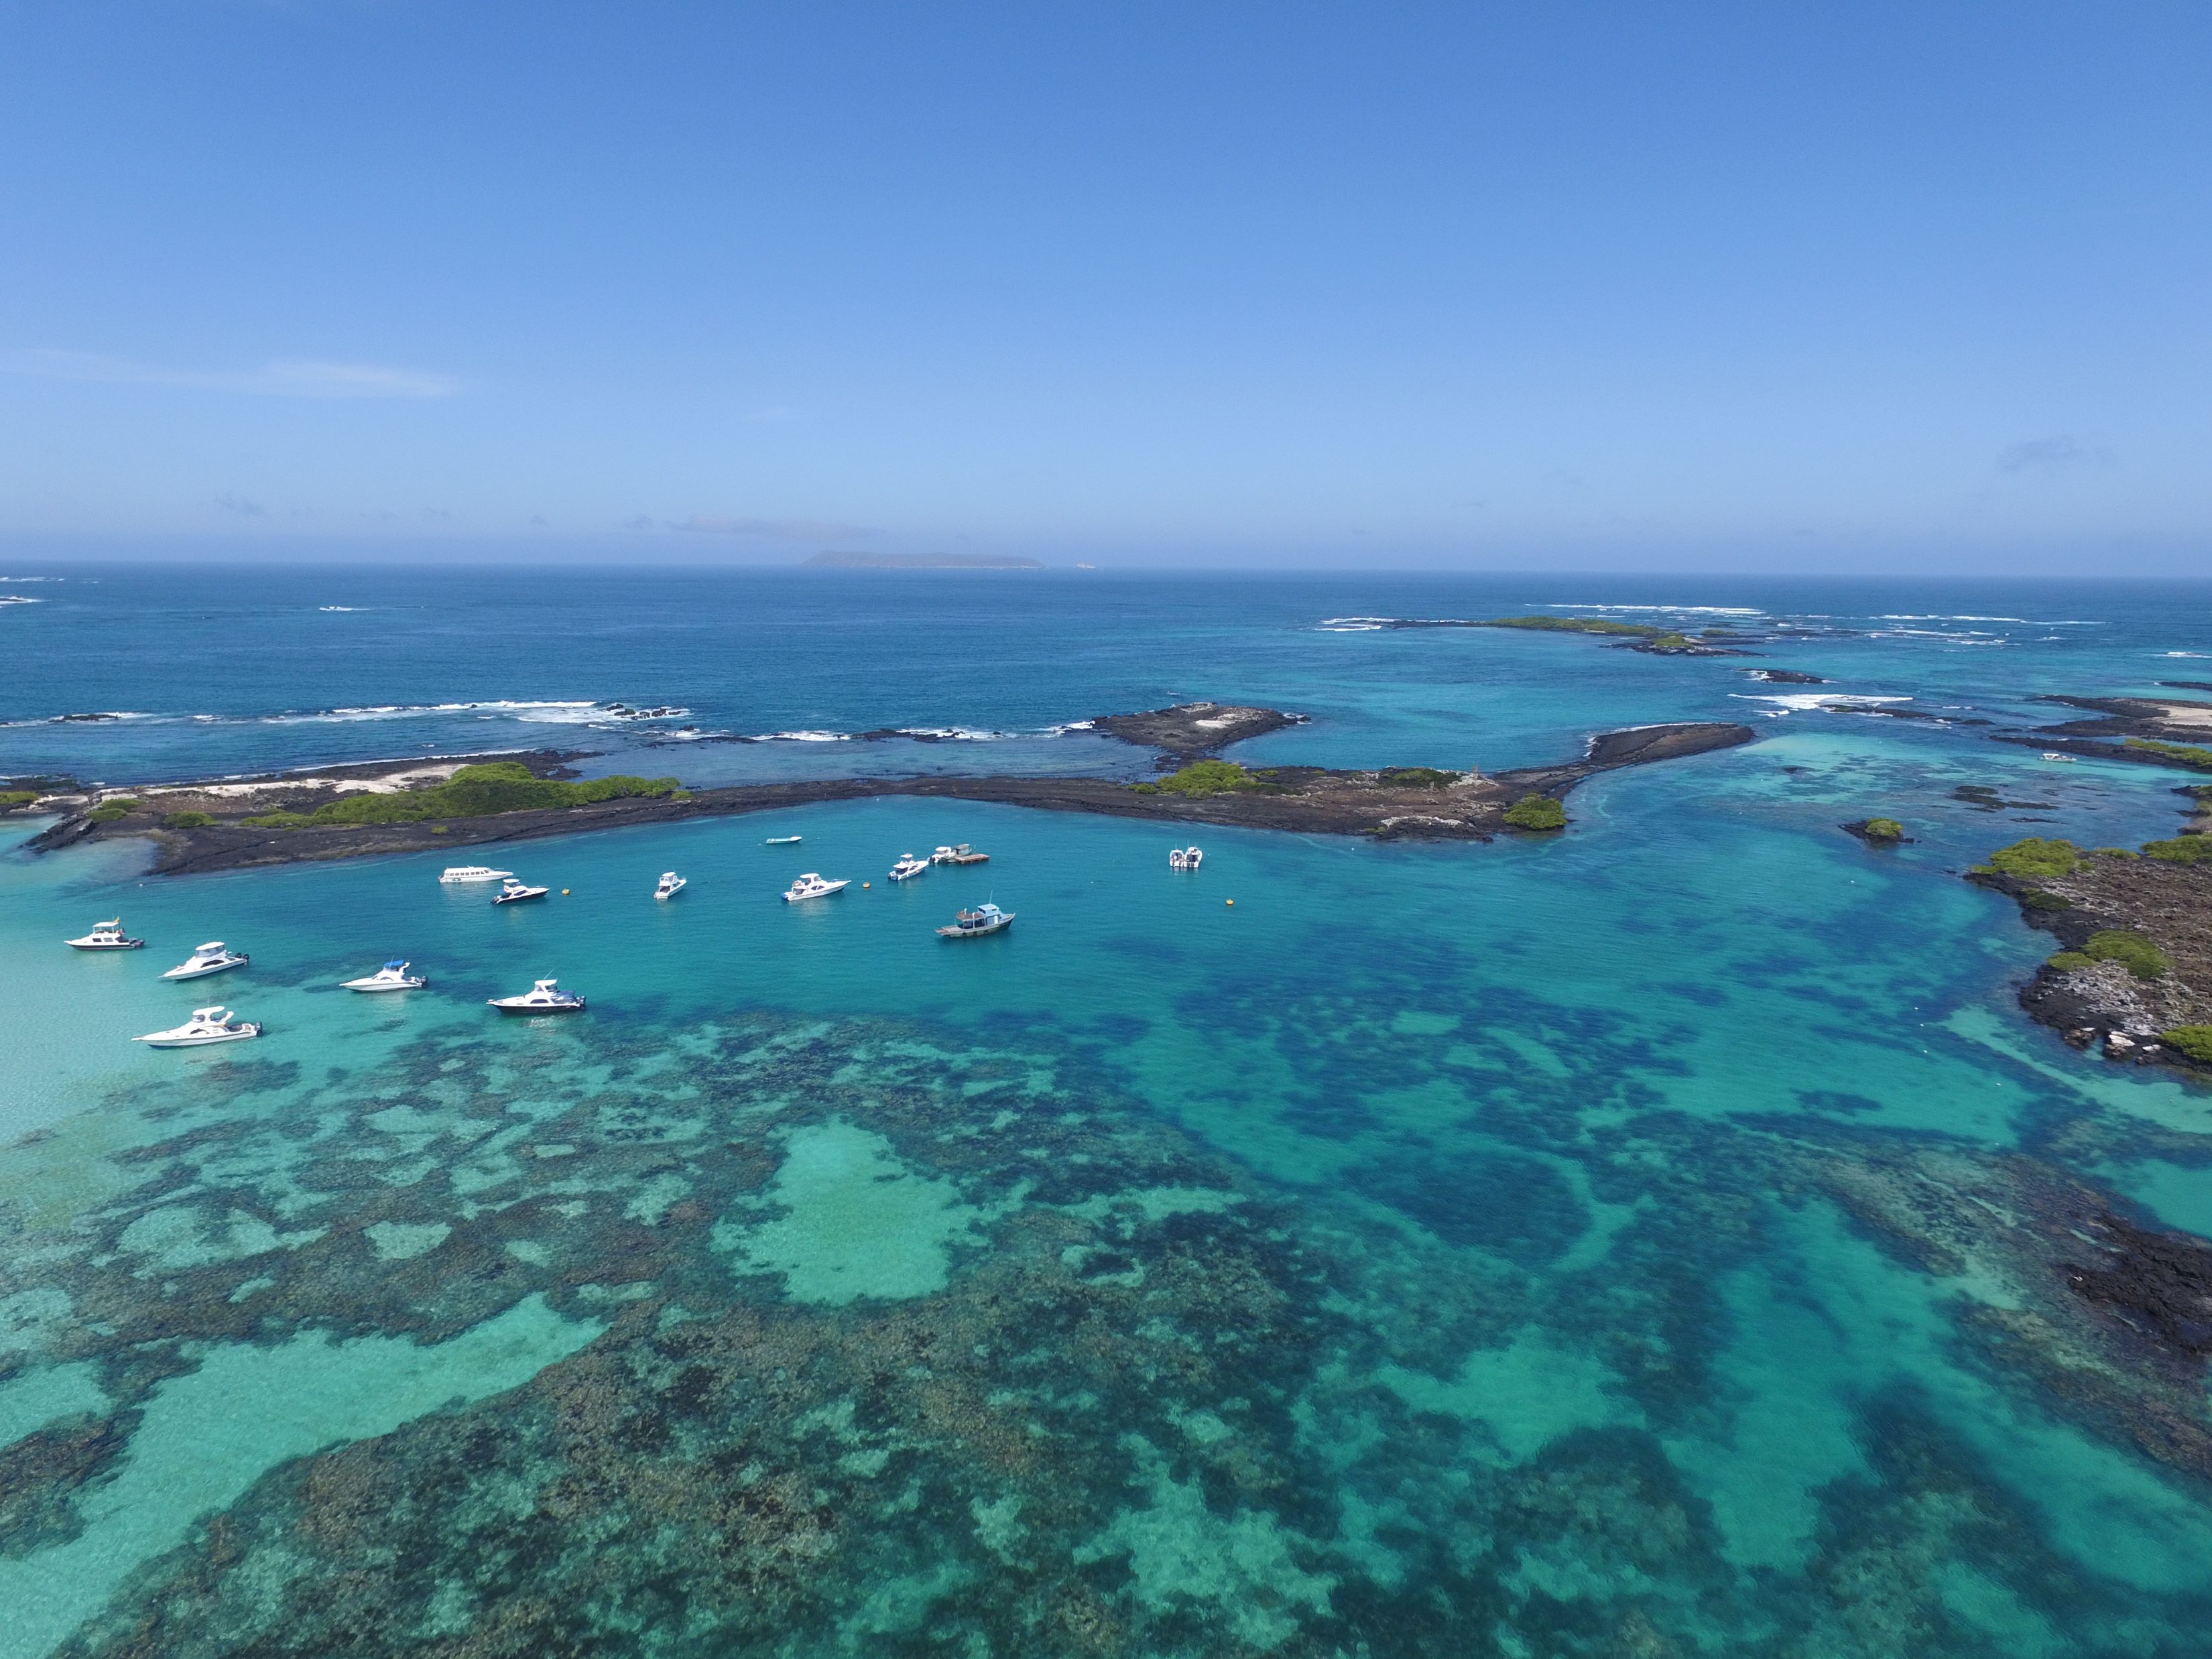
(516, 1005)
(386, 984)
(830, 891)
(202, 973)
(119, 944)
(162, 1039)
(670, 892)
(519, 898)
(957, 931)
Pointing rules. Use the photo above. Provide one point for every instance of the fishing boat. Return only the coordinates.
(781, 840)
(811, 885)
(213, 957)
(205, 1026)
(962, 853)
(455, 875)
(670, 886)
(546, 997)
(908, 867)
(975, 923)
(512, 891)
(1184, 858)
(106, 936)
(393, 976)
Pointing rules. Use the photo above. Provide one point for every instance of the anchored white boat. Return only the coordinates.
(975, 923)
(466, 872)
(2053, 754)
(1184, 858)
(106, 936)
(213, 957)
(908, 866)
(670, 886)
(205, 1026)
(811, 885)
(781, 840)
(512, 891)
(546, 997)
(962, 853)
(393, 976)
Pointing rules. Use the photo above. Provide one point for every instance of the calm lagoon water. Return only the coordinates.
(1644, 1240)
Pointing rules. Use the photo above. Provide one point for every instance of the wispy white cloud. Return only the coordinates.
(777, 530)
(282, 377)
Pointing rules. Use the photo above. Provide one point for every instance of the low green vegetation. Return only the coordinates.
(2194, 1040)
(1205, 777)
(1582, 625)
(2181, 754)
(12, 799)
(2036, 858)
(1416, 777)
(2111, 853)
(1536, 812)
(1882, 830)
(1671, 641)
(474, 792)
(188, 820)
(2036, 898)
(2131, 951)
(2182, 849)
(112, 811)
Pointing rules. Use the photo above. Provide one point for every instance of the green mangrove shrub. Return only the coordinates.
(2191, 755)
(1578, 625)
(112, 811)
(2194, 1040)
(1416, 777)
(2182, 849)
(188, 820)
(1882, 830)
(2036, 858)
(1207, 777)
(1536, 812)
(474, 792)
(12, 799)
(2131, 951)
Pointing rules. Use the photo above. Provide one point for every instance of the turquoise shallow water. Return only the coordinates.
(1644, 1240)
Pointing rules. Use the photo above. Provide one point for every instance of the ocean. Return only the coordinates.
(1647, 1239)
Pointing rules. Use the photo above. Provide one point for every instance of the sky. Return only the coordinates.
(1801, 287)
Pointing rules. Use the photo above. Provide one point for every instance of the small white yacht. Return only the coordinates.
(2053, 754)
(106, 936)
(205, 1026)
(670, 886)
(908, 866)
(393, 976)
(975, 923)
(811, 885)
(546, 997)
(512, 891)
(780, 840)
(1184, 858)
(465, 873)
(213, 957)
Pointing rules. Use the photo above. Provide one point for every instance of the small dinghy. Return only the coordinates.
(512, 891)
(106, 936)
(811, 885)
(670, 886)
(908, 867)
(781, 840)
(1184, 858)
(213, 957)
(393, 976)
(975, 923)
(205, 1026)
(546, 997)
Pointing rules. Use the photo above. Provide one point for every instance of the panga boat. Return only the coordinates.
(106, 936)
(461, 873)
(213, 957)
(973, 924)
(962, 853)
(907, 867)
(205, 1026)
(393, 976)
(546, 997)
(781, 840)
(1184, 858)
(670, 886)
(512, 891)
(811, 885)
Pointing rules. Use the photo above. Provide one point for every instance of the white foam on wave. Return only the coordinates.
(804, 737)
(1797, 703)
(2186, 653)
(951, 733)
(98, 717)
(1670, 610)
(337, 607)
(1066, 726)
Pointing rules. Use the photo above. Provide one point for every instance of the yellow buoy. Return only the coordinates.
(864, 886)
(564, 893)
(1229, 901)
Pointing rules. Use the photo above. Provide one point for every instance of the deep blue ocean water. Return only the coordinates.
(1647, 1239)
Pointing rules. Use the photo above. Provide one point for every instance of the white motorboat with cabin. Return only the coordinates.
(2053, 754)
(213, 957)
(811, 885)
(908, 867)
(205, 1026)
(780, 840)
(512, 891)
(393, 976)
(961, 853)
(456, 874)
(106, 936)
(1184, 858)
(546, 997)
(975, 923)
(670, 886)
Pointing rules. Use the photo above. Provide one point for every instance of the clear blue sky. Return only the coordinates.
(1781, 286)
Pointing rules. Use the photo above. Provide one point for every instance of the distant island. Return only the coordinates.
(918, 562)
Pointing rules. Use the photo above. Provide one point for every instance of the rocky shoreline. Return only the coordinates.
(200, 827)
